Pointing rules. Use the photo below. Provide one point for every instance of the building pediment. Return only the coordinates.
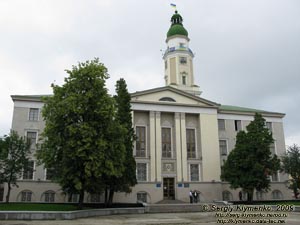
(170, 96)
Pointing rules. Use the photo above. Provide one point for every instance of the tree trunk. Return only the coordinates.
(8, 192)
(111, 196)
(81, 198)
(106, 197)
(250, 195)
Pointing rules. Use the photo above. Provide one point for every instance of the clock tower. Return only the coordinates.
(178, 58)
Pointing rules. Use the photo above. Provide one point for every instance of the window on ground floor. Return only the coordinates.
(141, 197)
(26, 196)
(194, 172)
(141, 171)
(49, 196)
(277, 194)
(28, 171)
(227, 196)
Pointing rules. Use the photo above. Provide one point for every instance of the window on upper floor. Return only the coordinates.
(274, 177)
(194, 172)
(33, 114)
(49, 173)
(272, 148)
(28, 171)
(238, 125)
(141, 171)
(184, 80)
(183, 60)
(181, 45)
(223, 147)
(221, 124)
(32, 138)
(166, 142)
(140, 144)
(269, 126)
(191, 143)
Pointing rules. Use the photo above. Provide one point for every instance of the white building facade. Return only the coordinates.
(182, 139)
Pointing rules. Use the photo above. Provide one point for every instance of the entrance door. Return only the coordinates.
(169, 189)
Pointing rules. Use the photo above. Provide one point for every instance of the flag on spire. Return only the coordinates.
(173, 5)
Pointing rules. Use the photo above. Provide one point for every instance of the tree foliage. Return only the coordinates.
(14, 157)
(291, 165)
(83, 142)
(124, 118)
(251, 162)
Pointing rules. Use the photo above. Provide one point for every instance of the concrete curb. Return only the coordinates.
(70, 215)
(62, 215)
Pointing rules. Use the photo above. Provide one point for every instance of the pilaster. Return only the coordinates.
(153, 176)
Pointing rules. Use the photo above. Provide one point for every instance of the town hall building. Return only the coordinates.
(182, 138)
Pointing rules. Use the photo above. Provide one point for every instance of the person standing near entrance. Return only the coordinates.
(195, 196)
(191, 196)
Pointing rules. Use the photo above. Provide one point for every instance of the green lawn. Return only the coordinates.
(37, 207)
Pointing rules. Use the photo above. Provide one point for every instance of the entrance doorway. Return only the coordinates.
(169, 189)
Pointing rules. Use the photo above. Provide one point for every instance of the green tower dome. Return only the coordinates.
(176, 26)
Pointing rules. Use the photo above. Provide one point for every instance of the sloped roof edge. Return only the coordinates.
(169, 88)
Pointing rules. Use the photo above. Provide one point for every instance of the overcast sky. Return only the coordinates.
(247, 52)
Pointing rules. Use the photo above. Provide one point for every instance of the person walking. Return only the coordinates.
(191, 196)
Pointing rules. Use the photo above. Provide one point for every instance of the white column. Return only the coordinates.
(178, 147)
(183, 148)
(152, 147)
(158, 146)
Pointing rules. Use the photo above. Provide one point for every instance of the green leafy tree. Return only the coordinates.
(82, 140)
(251, 162)
(124, 118)
(14, 156)
(291, 165)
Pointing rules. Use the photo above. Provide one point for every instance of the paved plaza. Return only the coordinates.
(144, 219)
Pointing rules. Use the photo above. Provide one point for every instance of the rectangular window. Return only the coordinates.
(49, 174)
(181, 45)
(33, 114)
(73, 198)
(221, 124)
(141, 171)
(223, 147)
(140, 141)
(237, 125)
(166, 143)
(191, 143)
(166, 64)
(49, 196)
(272, 148)
(275, 177)
(194, 172)
(142, 197)
(32, 137)
(184, 80)
(95, 197)
(182, 60)
(269, 126)
(26, 196)
(28, 171)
